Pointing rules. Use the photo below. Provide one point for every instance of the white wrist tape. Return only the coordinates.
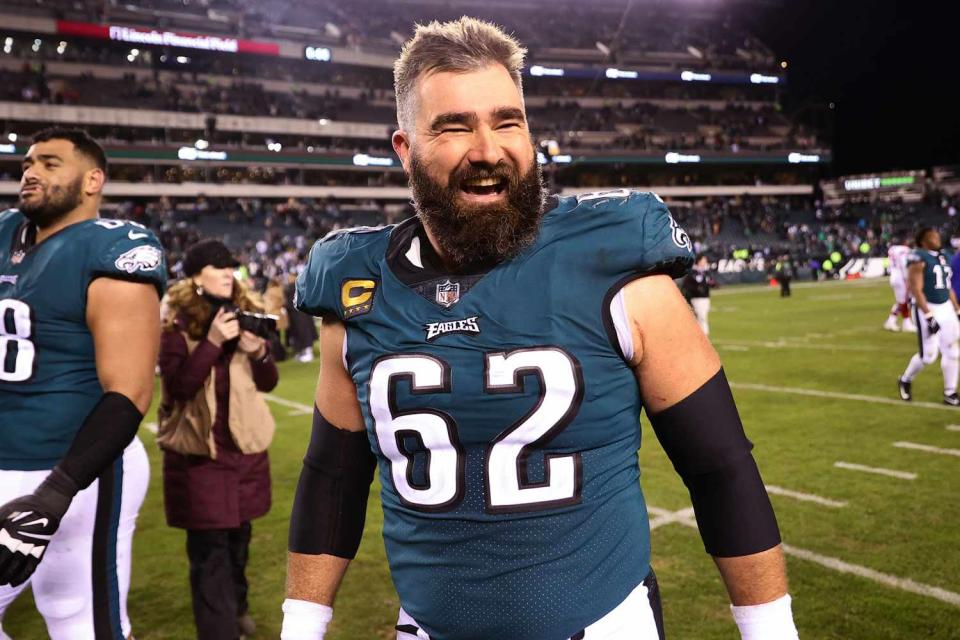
(304, 620)
(768, 621)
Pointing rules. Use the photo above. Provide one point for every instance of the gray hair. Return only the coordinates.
(458, 46)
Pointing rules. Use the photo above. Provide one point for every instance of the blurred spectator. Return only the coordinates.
(214, 431)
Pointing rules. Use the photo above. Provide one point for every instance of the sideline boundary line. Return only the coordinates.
(835, 564)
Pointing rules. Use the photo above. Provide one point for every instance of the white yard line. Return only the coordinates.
(927, 448)
(906, 584)
(903, 475)
(953, 427)
(298, 408)
(835, 564)
(731, 347)
(841, 396)
(805, 497)
(792, 344)
(151, 427)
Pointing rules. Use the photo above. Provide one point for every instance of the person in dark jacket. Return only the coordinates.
(696, 287)
(214, 430)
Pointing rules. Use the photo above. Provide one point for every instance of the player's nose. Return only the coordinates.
(484, 147)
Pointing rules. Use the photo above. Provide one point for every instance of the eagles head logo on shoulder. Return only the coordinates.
(142, 258)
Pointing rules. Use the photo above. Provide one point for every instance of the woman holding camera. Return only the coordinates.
(214, 429)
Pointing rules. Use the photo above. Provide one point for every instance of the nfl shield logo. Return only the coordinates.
(448, 293)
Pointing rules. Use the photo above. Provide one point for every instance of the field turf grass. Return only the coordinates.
(898, 535)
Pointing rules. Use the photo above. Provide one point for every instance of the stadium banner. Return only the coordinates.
(156, 37)
(683, 75)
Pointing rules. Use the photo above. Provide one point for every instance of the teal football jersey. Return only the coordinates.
(502, 413)
(48, 374)
(936, 274)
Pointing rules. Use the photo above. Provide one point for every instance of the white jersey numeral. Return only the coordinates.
(506, 478)
(942, 274)
(17, 351)
(435, 431)
(508, 485)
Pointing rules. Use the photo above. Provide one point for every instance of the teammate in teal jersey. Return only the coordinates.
(79, 334)
(935, 311)
(491, 355)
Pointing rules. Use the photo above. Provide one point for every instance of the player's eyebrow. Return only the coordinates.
(469, 118)
(41, 157)
(509, 113)
(453, 117)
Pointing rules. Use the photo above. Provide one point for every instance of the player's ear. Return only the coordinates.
(93, 181)
(401, 144)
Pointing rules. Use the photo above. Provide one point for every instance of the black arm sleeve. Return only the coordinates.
(704, 439)
(330, 505)
(106, 432)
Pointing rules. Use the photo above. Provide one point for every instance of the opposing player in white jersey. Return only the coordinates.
(897, 254)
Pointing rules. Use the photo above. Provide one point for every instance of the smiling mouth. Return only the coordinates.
(484, 186)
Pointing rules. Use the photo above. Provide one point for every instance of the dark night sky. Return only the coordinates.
(889, 66)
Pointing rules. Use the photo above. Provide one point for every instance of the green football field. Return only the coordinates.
(865, 488)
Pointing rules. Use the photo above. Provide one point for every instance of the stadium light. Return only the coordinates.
(183, 59)
(61, 47)
(783, 64)
(323, 122)
(12, 137)
(36, 45)
(201, 144)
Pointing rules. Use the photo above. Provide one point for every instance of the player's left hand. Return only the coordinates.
(252, 344)
(26, 526)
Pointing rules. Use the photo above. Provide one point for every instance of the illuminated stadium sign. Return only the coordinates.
(540, 70)
(364, 160)
(149, 36)
(616, 74)
(317, 54)
(798, 158)
(189, 153)
(693, 76)
(8, 148)
(674, 158)
(877, 182)
(759, 78)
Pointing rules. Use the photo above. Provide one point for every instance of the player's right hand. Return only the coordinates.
(26, 526)
(932, 325)
(224, 327)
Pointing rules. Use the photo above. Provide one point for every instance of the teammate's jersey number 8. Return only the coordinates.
(507, 486)
(17, 351)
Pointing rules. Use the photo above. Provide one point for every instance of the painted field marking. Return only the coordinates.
(785, 344)
(903, 475)
(841, 396)
(151, 427)
(863, 282)
(927, 448)
(953, 427)
(298, 408)
(841, 566)
(905, 584)
(663, 516)
(731, 347)
(805, 497)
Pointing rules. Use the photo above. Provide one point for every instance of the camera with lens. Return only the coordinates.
(260, 324)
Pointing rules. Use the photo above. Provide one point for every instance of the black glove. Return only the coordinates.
(27, 523)
(932, 325)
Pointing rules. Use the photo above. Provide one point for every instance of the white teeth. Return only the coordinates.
(483, 182)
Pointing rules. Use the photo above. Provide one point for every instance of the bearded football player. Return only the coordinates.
(491, 356)
(79, 334)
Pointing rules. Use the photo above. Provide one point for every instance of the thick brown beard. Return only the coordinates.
(54, 205)
(485, 234)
